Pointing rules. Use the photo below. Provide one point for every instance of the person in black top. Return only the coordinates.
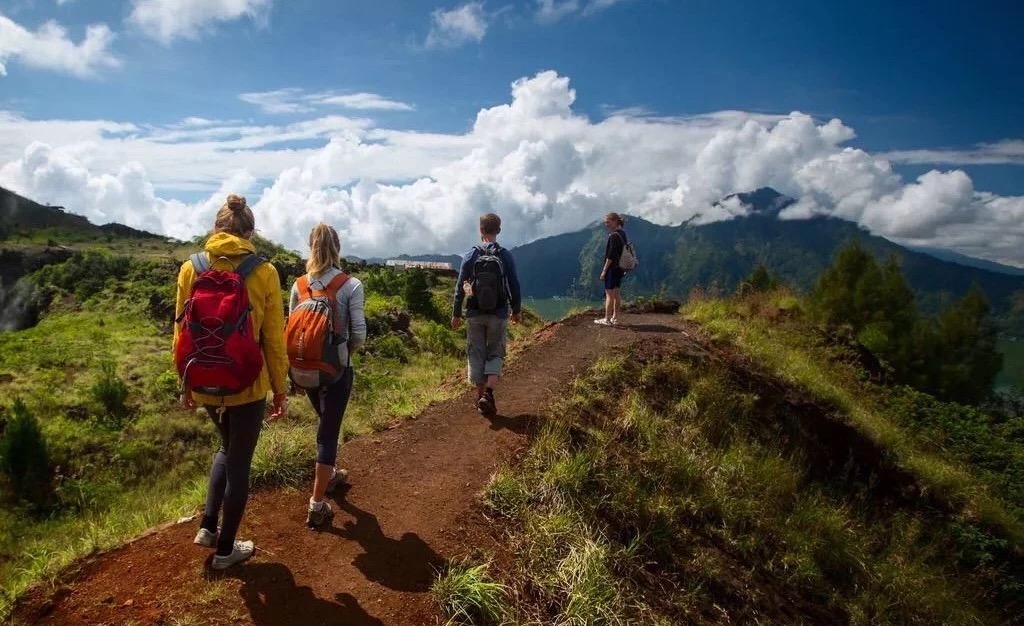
(611, 273)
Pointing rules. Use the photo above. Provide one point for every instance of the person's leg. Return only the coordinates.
(476, 351)
(608, 304)
(497, 332)
(245, 421)
(218, 475)
(616, 304)
(334, 402)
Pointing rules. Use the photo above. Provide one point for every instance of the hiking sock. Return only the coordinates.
(314, 505)
(209, 523)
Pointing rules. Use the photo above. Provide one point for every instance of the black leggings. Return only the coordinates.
(330, 403)
(239, 428)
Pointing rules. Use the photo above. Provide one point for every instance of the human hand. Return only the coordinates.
(187, 401)
(456, 323)
(280, 407)
(516, 318)
(601, 277)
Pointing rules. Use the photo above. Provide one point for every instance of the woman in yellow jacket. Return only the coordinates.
(239, 417)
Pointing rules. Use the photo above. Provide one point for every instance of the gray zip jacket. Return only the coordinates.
(349, 317)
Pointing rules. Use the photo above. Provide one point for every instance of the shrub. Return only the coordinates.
(111, 392)
(391, 347)
(468, 596)
(438, 339)
(417, 296)
(24, 458)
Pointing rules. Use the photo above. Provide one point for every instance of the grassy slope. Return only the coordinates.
(669, 489)
(121, 476)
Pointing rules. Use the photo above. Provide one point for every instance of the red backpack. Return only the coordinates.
(310, 336)
(217, 353)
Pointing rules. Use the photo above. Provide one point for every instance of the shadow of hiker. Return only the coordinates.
(522, 424)
(273, 598)
(406, 564)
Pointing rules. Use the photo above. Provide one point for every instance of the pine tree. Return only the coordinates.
(417, 296)
(24, 459)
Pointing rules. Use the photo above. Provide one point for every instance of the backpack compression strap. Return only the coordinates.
(200, 262)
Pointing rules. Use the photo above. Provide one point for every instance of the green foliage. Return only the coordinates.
(110, 392)
(24, 459)
(759, 281)
(417, 296)
(383, 281)
(468, 596)
(390, 347)
(953, 356)
(438, 339)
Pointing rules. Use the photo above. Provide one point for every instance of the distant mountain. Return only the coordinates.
(674, 259)
(969, 261)
(21, 217)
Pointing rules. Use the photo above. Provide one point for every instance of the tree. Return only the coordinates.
(760, 280)
(24, 459)
(969, 361)
(417, 296)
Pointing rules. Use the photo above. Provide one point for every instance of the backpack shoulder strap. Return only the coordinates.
(249, 264)
(302, 286)
(336, 284)
(200, 262)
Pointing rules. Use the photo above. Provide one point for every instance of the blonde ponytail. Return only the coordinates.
(324, 249)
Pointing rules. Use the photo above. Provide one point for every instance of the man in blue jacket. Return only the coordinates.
(488, 280)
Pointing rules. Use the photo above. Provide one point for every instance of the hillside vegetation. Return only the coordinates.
(93, 446)
(763, 480)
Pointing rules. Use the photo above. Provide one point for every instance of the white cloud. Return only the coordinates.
(1005, 152)
(295, 100)
(550, 11)
(455, 27)
(51, 48)
(535, 161)
(166, 20)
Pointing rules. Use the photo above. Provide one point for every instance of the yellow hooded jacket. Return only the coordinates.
(267, 316)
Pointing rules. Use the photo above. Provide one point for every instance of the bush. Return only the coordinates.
(391, 347)
(111, 392)
(417, 296)
(24, 459)
(438, 339)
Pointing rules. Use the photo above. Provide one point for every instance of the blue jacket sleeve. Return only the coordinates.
(460, 293)
(513, 283)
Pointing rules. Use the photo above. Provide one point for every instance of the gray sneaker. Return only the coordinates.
(205, 538)
(317, 516)
(340, 478)
(242, 551)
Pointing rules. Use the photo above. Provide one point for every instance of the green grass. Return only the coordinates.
(664, 490)
(783, 350)
(467, 595)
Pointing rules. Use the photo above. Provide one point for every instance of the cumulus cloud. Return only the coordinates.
(166, 20)
(536, 161)
(295, 100)
(51, 48)
(452, 28)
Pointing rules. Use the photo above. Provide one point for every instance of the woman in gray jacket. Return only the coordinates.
(330, 401)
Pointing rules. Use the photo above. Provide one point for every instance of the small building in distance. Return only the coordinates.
(436, 266)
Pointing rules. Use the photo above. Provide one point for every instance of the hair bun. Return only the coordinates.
(236, 203)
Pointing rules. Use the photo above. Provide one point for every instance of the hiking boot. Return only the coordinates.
(319, 515)
(205, 538)
(486, 404)
(602, 322)
(340, 478)
(242, 551)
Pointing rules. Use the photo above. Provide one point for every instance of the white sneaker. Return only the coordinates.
(614, 321)
(242, 551)
(602, 322)
(205, 538)
(340, 478)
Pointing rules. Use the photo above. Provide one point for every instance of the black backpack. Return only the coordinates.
(490, 288)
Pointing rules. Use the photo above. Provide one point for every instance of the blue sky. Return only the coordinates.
(931, 88)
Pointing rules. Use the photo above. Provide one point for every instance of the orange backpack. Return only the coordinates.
(310, 336)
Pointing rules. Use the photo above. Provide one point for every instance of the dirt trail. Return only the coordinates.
(411, 505)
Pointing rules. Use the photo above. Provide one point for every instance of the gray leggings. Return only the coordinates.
(239, 429)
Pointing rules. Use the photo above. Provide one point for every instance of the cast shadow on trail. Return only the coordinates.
(523, 424)
(273, 598)
(406, 564)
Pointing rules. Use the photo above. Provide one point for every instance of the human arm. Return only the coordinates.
(272, 340)
(183, 290)
(515, 293)
(356, 317)
(460, 292)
